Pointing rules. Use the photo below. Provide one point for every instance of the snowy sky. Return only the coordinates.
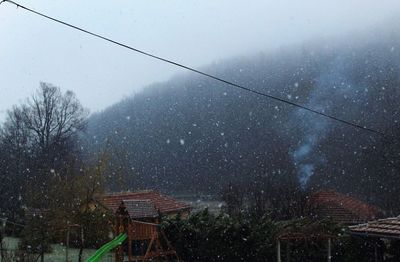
(192, 32)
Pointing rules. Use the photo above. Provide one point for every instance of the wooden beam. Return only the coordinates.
(150, 246)
(129, 233)
(170, 247)
(130, 250)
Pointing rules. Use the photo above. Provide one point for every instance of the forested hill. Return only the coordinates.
(195, 134)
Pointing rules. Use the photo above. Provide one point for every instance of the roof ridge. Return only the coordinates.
(161, 202)
(129, 192)
(136, 200)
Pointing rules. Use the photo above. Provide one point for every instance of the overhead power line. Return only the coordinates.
(197, 71)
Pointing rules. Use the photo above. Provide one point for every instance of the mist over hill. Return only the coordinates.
(195, 134)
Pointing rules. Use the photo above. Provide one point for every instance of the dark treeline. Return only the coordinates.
(195, 134)
(206, 237)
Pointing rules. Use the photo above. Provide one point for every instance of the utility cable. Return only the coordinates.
(198, 71)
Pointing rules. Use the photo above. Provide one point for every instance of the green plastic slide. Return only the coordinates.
(107, 248)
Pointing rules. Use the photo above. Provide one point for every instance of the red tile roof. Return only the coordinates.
(343, 208)
(162, 203)
(388, 228)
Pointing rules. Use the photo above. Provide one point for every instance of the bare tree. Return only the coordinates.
(52, 119)
(278, 194)
(38, 138)
(234, 197)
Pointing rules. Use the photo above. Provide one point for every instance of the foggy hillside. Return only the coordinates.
(194, 134)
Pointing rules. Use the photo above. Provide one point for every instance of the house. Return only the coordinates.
(388, 228)
(381, 234)
(342, 208)
(137, 215)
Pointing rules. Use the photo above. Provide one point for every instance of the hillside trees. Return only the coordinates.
(276, 194)
(193, 134)
(383, 161)
(389, 149)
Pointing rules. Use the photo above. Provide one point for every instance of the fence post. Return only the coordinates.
(3, 227)
(329, 250)
(67, 245)
(278, 251)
